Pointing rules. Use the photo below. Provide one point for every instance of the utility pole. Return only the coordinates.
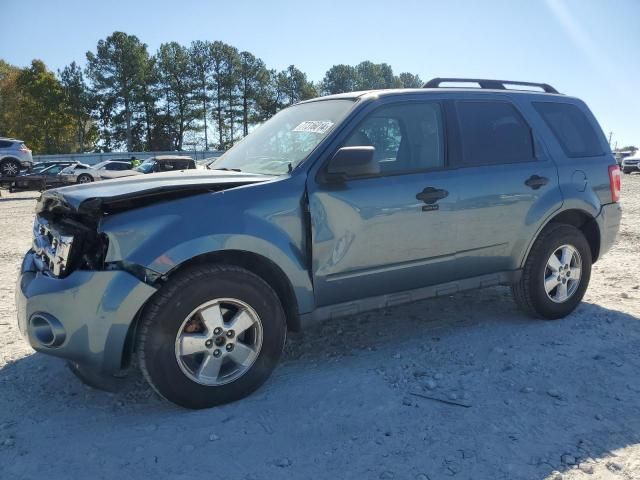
(610, 137)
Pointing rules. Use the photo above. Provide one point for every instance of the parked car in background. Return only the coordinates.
(106, 170)
(166, 163)
(39, 166)
(334, 206)
(14, 157)
(40, 178)
(622, 154)
(631, 163)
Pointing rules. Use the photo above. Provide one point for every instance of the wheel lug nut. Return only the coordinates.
(208, 344)
(217, 331)
(217, 353)
(230, 333)
(229, 347)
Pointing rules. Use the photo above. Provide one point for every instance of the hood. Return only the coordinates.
(126, 193)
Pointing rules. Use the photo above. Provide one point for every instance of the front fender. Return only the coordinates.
(254, 219)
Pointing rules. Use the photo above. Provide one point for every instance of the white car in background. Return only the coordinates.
(106, 170)
(631, 164)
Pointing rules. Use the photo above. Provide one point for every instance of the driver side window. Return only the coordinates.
(406, 137)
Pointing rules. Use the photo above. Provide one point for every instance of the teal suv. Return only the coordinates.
(335, 206)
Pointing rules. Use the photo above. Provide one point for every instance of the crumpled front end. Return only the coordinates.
(83, 317)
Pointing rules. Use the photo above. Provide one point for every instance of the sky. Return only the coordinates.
(585, 48)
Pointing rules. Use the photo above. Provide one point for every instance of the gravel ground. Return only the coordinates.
(534, 399)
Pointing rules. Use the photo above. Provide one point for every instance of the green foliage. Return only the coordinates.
(628, 148)
(178, 85)
(79, 102)
(408, 80)
(36, 110)
(129, 99)
(118, 71)
(340, 79)
(366, 76)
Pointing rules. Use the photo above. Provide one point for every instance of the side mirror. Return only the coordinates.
(352, 162)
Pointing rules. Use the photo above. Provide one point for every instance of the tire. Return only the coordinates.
(84, 178)
(170, 315)
(9, 167)
(530, 292)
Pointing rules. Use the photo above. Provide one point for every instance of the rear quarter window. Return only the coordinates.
(571, 127)
(5, 144)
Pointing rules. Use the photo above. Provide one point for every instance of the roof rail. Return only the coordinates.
(491, 84)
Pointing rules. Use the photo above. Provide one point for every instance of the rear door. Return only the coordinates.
(390, 232)
(508, 185)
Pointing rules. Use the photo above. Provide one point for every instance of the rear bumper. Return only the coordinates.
(609, 222)
(90, 311)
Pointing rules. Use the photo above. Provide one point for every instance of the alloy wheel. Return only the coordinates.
(219, 341)
(563, 273)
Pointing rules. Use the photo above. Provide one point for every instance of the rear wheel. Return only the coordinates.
(85, 178)
(556, 273)
(9, 167)
(212, 335)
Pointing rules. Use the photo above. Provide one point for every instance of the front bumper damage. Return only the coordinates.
(84, 317)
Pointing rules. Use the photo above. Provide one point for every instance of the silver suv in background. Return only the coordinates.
(14, 156)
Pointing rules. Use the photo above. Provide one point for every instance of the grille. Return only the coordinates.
(52, 248)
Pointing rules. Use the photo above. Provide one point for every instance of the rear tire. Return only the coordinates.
(539, 290)
(198, 305)
(9, 167)
(84, 178)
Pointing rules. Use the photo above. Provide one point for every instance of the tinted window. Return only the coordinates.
(53, 170)
(5, 144)
(406, 137)
(572, 129)
(493, 133)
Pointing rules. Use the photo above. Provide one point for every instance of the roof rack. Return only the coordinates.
(491, 84)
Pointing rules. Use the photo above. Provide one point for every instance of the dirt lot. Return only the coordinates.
(543, 399)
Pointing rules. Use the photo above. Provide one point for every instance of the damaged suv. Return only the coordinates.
(335, 206)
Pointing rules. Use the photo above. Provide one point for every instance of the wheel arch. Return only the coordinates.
(583, 221)
(266, 269)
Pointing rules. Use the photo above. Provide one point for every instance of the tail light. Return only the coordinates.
(614, 182)
(24, 148)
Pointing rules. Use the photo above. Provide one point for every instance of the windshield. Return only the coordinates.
(284, 141)
(146, 166)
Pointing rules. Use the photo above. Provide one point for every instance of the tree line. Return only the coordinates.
(206, 94)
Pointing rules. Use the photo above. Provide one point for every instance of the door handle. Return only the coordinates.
(431, 195)
(535, 181)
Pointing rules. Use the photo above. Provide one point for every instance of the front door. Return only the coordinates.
(394, 231)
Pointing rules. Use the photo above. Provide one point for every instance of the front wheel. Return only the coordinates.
(213, 334)
(556, 273)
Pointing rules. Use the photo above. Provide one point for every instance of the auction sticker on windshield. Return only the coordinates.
(314, 126)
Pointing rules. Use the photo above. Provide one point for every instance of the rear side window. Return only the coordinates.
(571, 127)
(493, 133)
(5, 144)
